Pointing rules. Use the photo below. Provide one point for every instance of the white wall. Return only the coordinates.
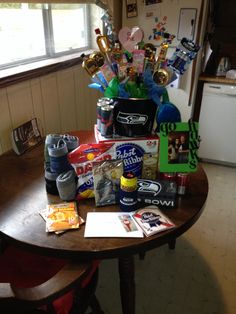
(171, 9)
(60, 101)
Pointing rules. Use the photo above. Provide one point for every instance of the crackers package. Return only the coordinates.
(62, 216)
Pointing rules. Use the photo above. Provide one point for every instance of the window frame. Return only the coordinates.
(48, 39)
(44, 66)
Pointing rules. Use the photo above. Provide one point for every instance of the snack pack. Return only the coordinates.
(106, 177)
(81, 160)
(61, 217)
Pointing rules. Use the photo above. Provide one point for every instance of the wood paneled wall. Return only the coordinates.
(60, 101)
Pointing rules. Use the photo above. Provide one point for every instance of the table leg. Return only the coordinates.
(172, 243)
(127, 284)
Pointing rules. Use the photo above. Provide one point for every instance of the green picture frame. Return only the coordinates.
(179, 143)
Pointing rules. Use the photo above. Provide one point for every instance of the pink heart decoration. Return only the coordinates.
(129, 38)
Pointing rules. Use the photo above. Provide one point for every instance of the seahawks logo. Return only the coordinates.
(131, 118)
(149, 187)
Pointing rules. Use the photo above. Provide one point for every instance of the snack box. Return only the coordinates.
(131, 150)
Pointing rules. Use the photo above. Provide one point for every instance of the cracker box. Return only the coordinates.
(131, 150)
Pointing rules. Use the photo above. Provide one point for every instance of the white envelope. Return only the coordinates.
(109, 224)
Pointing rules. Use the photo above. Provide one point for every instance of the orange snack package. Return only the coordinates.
(62, 216)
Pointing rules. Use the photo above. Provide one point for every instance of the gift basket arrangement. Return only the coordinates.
(132, 75)
(122, 167)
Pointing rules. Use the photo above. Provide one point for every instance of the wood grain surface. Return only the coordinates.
(23, 195)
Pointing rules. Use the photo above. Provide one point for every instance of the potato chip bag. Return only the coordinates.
(81, 160)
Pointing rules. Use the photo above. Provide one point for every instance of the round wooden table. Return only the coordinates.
(23, 195)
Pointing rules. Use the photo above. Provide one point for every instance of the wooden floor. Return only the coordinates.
(200, 275)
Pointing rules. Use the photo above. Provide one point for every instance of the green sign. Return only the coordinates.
(179, 143)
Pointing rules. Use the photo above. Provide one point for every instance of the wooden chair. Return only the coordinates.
(32, 283)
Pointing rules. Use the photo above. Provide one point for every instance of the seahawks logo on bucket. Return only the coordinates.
(131, 118)
(149, 187)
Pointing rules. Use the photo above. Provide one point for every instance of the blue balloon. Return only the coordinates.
(167, 112)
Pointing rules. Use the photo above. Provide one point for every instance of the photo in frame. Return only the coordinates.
(131, 8)
(179, 143)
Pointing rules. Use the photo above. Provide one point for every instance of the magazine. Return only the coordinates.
(25, 137)
(152, 220)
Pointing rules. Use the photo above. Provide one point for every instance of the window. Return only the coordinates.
(33, 32)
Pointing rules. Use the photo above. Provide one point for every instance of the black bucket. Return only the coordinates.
(134, 117)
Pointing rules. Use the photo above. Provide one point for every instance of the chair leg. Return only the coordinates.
(95, 306)
(142, 256)
(3, 245)
(85, 298)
